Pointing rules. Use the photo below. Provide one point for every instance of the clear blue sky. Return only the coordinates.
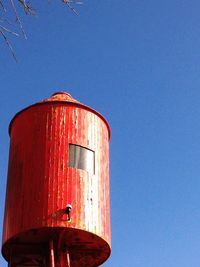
(138, 63)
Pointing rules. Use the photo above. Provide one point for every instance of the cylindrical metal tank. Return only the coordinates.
(57, 209)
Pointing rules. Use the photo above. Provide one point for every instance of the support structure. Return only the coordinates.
(51, 254)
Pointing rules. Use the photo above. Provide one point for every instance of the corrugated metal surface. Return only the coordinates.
(40, 183)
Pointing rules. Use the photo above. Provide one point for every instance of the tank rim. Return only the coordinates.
(78, 104)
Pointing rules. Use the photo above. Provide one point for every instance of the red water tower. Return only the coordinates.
(57, 210)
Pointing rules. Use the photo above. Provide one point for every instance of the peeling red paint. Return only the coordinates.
(40, 185)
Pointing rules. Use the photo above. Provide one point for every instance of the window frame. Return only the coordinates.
(84, 149)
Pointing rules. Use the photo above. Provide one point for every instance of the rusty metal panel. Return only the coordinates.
(41, 182)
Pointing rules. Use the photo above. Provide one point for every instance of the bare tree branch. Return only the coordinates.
(6, 26)
(2, 6)
(18, 19)
(9, 45)
(27, 7)
(8, 30)
(67, 2)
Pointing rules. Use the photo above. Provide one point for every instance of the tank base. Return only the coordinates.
(70, 247)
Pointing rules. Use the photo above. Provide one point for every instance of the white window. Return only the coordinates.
(81, 158)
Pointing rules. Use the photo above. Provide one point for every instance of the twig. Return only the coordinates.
(4, 20)
(27, 7)
(9, 31)
(9, 45)
(5, 27)
(67, 2)
(2, 5)
(18, 19)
